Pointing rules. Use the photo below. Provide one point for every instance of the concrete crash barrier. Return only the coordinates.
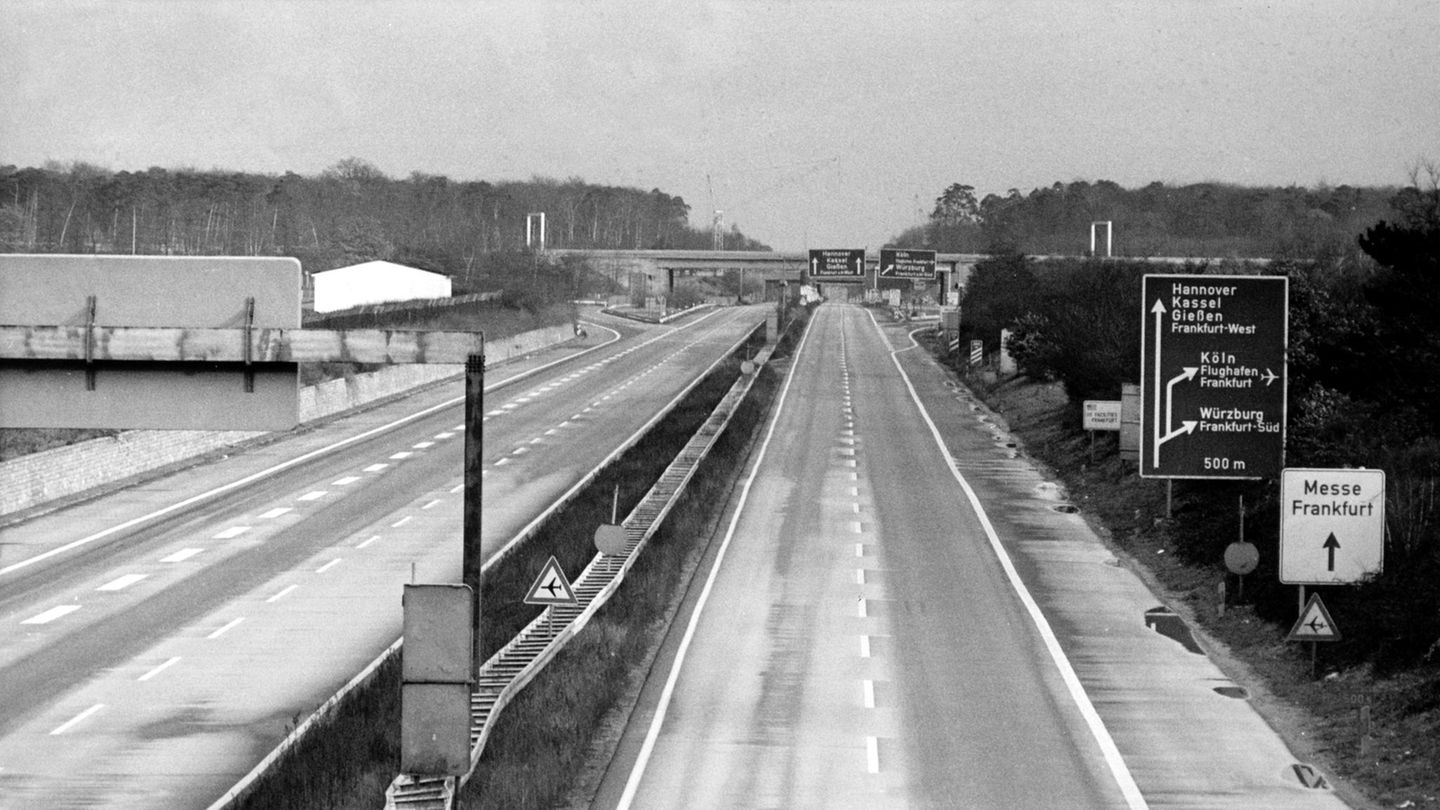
(38, 478)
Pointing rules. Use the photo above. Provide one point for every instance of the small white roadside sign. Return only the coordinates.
(1332, 525)
(1101, 414)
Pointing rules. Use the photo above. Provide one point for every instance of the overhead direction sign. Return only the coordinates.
(1332, 525)
(1314, 623)
(1212, 376)
(163, 342)
(551, 587)
(846, 264)
(86, 295)
(913, 264)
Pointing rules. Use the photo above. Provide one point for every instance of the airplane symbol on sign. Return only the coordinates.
(551, 587)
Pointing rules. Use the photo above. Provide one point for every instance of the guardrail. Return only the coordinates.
(519, 661)
(237, 792)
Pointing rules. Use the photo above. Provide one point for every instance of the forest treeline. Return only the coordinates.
(1363, 366)
(351, 212)
(1203, 220)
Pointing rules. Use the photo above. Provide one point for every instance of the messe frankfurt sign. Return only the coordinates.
(1212, 376)
(1332, 525)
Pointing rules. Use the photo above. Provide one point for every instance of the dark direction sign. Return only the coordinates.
(1212, 376)
(915, 264)
(847, 264)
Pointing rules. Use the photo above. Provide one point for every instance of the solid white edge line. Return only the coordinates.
(1118, 769)
(637, 772)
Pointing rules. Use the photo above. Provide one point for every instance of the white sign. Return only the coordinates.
(1101, 414)
(1332, 525)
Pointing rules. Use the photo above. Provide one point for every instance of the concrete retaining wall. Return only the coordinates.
(34, 479)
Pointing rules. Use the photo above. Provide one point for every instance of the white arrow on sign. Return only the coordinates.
(1187, 373)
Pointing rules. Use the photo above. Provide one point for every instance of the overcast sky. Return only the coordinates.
(809, 124)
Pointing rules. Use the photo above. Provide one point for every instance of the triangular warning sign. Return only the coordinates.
(551, 587)
(1314, 623)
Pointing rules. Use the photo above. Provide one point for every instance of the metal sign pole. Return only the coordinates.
(470, 532)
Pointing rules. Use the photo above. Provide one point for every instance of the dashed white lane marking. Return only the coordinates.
(372, 539)
(457, 488)
(233, 531)
(859, 549)
(502, 462)
(872, 754)
(552, 431)
(859, 576)
(519, 451)
(868, 686)
(401, 522)
(282, 593)
(423, 445)
(860, 607)
(121, 583)
(459, 428)
(496, 412)
(77, 719)
(313, 495)
(403, 454)
(445, 435)
(327, 566)
(276, 512)
(855, 507)
(157, 670)
(182, 555)
(854, 492)
(864, 646)
(227, 627)
(52, 614)
(435, 502)
(857, 527)
(376, 467)
(536, 440)
(345, 482)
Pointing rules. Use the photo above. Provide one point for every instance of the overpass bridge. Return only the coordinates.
(662, 266)
(659, 267)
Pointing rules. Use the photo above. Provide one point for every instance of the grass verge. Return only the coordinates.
(349, 758)
(1396, 765)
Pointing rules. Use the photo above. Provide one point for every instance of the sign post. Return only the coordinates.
(1100, 414)
(1213, 376)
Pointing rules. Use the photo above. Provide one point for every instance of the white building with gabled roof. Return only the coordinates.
(375, 282)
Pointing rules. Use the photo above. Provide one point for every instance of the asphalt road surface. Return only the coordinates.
(158, 642)
(898, 617)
